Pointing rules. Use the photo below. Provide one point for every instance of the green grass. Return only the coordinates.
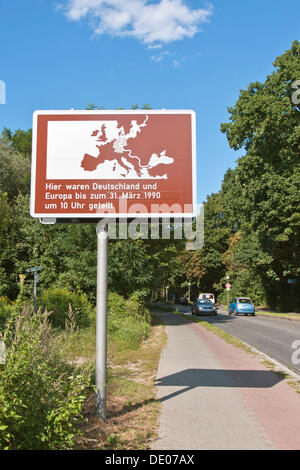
(218, 331)
(78, 344)
(289, 316)
(163, 308)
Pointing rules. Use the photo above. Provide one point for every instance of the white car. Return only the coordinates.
(206, 296)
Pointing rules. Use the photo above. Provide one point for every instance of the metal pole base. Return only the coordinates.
(101, 320)
(101, 404)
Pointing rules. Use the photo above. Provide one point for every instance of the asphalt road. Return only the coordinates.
(272, 336)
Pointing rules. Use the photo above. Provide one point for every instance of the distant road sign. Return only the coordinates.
(228, 286)
(292, 281)
(32, 270)
(136, 163)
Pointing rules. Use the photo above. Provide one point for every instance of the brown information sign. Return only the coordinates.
(113, 164)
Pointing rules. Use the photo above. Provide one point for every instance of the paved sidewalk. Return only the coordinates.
(216, 396)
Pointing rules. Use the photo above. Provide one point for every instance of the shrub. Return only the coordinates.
(6, 308)
(116, 304)
(128, 322)
(41, 396)
(58, 300)
(137, 307)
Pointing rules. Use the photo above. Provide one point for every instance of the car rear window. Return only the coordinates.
(244, 301)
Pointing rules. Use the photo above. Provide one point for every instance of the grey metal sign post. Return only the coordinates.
(101, 320)
(35, 272)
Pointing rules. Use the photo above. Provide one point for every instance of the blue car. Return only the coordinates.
(241, 305)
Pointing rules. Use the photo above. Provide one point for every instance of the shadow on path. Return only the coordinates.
(192, 378)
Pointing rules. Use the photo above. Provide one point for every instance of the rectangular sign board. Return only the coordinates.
(139, 163)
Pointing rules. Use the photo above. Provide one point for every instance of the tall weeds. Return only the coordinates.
(41, 395)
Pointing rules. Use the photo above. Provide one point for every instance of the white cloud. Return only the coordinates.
(163, 21)
(155, 46)
(157, 58)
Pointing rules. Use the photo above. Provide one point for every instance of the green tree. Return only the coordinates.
(19, 140)
(14, 171)
(8, 279)
(263, 190)
(128, 268)
(205, 267)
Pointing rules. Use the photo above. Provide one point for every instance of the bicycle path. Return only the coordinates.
(215, 396)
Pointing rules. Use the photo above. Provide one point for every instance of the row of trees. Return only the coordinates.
(251, 225)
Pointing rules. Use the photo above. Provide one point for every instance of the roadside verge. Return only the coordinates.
(132, 406)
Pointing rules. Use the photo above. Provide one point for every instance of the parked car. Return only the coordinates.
(204, 307)
(183, 300)
(206, 296)
(241, 305)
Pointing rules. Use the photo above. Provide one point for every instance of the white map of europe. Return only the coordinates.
(102, 150)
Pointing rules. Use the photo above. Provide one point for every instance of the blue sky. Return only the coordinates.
(173, 54)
